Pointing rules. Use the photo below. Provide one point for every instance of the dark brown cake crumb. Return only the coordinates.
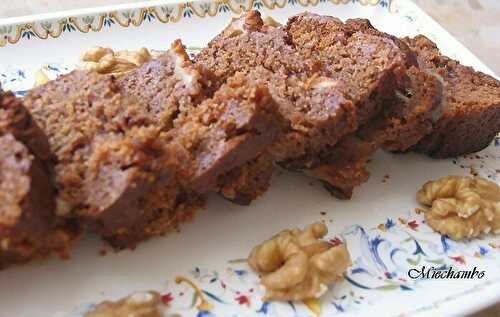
(401, 102)
(249, 181)
(218, 127)
(375, 92)
(325, 89)
(345, 168)
(29, 229)
(134, 155)
(111, 169)
(226, 131)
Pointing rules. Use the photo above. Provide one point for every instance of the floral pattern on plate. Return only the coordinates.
(382, 256)
(165, 13)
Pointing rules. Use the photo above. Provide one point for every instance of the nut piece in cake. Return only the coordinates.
(461, 207)
(297, 264)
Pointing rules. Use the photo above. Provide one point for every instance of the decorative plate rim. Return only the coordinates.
(17, 24)
(52, 25)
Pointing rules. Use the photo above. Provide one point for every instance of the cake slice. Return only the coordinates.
(226, 131)
(29, 229)
(406, 113)
(208, 141)
(471, 104)
(331, 80)
(370, 62)
(167, 86)
(316, 108)
(218, 126)
(135, 155)
(112, 171)
(403, 122)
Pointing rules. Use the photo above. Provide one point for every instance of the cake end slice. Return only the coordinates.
(471, 104)
(29, 229)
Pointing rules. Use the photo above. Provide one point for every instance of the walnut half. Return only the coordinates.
(297, 265)
(106, 61)
(462, 206)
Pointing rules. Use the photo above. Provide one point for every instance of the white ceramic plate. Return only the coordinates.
(384, 235)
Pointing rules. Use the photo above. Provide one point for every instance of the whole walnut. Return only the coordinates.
(462, 206)
(297, 265)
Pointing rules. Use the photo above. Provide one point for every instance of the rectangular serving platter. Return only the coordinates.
(384, 235)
